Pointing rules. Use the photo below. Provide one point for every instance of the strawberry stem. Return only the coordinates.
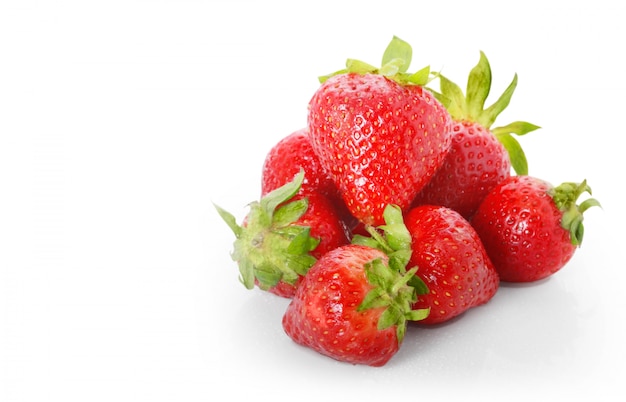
(394, 239)
(392, 292)
(394, 65)
(395, 287)
(565, 197)
(270, 247)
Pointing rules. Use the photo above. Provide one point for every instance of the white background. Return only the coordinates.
(122, 121)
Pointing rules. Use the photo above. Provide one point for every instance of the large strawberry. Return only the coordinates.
(452, 261)
(292, 154)
(480, 156)
(530, 228)
(378, 132)
(352, 307)
(282, 236)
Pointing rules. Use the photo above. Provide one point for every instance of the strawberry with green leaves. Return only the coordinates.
(480, 156)
(378, 132)
(530, 228)
(453, 264)
(353, 307)
(282, 236)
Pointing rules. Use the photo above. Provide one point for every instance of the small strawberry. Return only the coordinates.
(287, 157)
(452, 262)
(378, 132)
(352, 307)
(480, 156)
(282, 236)
(530, 228)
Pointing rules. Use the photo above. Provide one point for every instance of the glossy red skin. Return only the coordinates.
(322, 315)
(287, 157)
(520, 227)
(452, 262)
(323, 219)
(476, 164)
(380, 141)
(284, 161)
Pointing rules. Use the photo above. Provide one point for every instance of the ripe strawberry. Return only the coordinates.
(352, 307)
(287, 157)
(282, 236)
(480, 156)
(531, 229)
(378, 132)
(452, 262)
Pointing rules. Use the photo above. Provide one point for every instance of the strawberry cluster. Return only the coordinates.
(399, 204)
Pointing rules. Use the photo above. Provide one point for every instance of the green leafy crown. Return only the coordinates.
(565, 197)
(270, 247)
(395, 287)
(395, 65)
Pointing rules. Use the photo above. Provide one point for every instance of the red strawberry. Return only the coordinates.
(285, 159)
(352, 307)
(291, 154)
(380, 135)
(452, 262)
(531, 229)
(282, 236)
(480, 156)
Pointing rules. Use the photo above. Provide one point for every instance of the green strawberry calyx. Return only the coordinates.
(471, 107)
(565, 197)
(395, 65)
(270, 247)
(392, 292)
(396, 287)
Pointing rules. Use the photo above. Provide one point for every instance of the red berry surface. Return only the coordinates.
(451, 261)
(381, 141)
(524, 231)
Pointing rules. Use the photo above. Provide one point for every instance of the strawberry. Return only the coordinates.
(352, 307)
(287, 157)
(530, 228)
(378, 132)
(480, 156)
(452, 262)
(282, 236)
